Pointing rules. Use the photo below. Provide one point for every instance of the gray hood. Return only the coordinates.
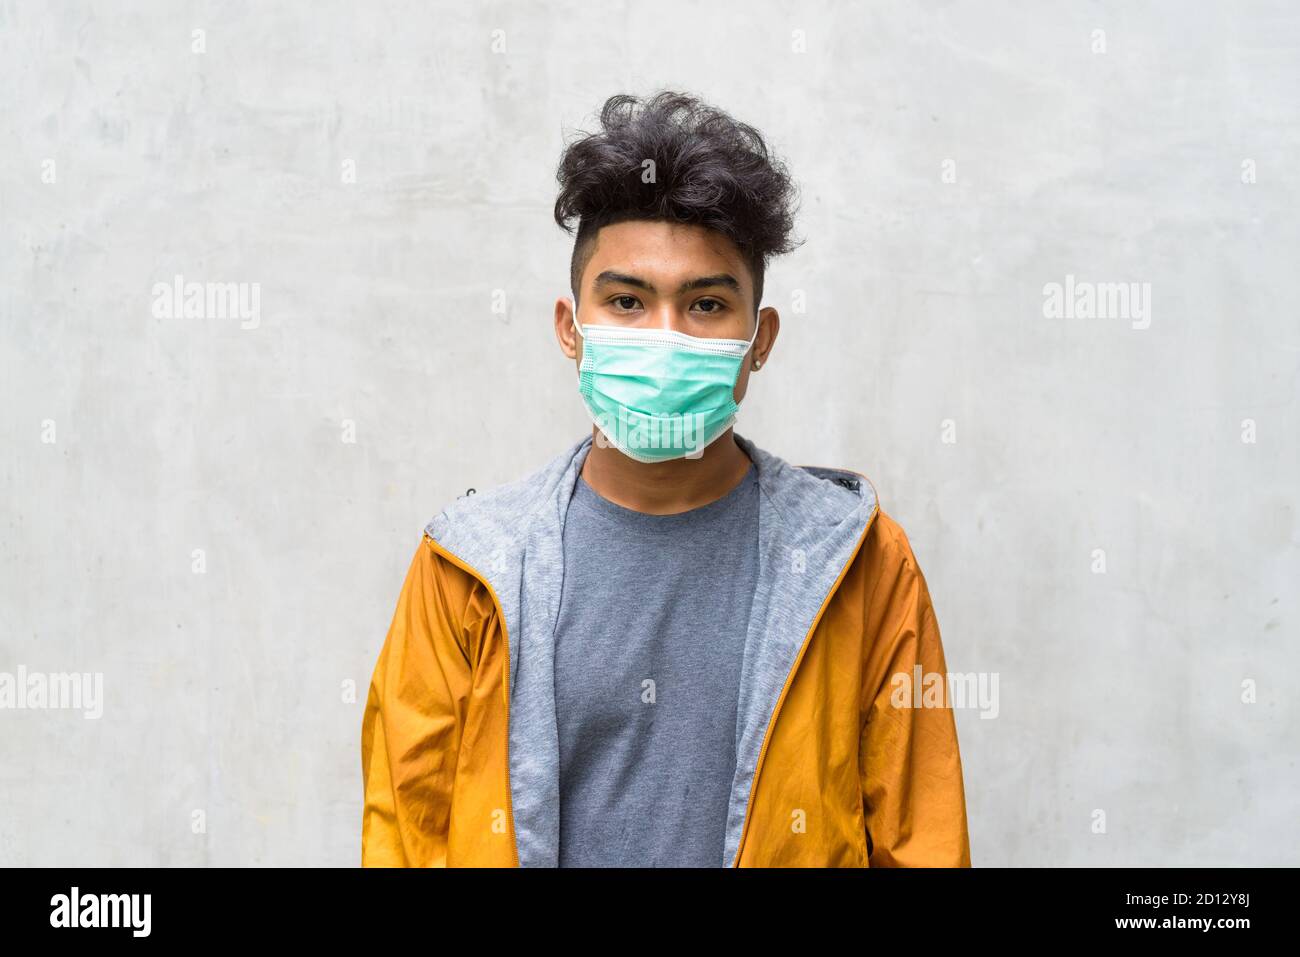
(810, 522)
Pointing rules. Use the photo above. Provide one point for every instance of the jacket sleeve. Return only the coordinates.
(411, 730)
(913, 799)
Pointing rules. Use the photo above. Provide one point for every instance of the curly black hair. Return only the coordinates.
(709, 169)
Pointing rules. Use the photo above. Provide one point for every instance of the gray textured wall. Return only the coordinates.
(955, 159)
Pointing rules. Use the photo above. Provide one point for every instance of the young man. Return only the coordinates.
(667, 647)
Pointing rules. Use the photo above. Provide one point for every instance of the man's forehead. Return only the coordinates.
(665, 235)
(664, 254)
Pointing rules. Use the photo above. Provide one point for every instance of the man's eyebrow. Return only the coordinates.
(704, 282)
(610, 277)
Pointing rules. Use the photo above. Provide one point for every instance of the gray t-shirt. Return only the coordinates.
(648, 649)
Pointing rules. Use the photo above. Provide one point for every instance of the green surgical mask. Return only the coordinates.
(657, 394)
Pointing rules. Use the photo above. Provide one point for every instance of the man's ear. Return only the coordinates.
(565, 333)
(768, 330)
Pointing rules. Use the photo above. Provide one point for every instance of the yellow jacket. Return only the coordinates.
(837, 765)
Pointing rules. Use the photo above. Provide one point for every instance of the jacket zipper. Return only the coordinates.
(505, 683)
(762, 752)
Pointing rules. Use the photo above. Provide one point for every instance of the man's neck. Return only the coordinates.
(665, 488)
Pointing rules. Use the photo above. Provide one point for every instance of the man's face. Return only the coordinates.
(663, 275)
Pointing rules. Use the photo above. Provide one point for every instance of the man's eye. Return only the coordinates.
(713, 302)
(625, 302)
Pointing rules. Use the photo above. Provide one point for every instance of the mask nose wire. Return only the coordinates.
(758, 323)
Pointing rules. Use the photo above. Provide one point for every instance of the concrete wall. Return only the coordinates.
(182, 512)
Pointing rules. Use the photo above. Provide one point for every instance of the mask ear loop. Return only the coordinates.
(758, 324)
(576, 324)
(758, 321)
